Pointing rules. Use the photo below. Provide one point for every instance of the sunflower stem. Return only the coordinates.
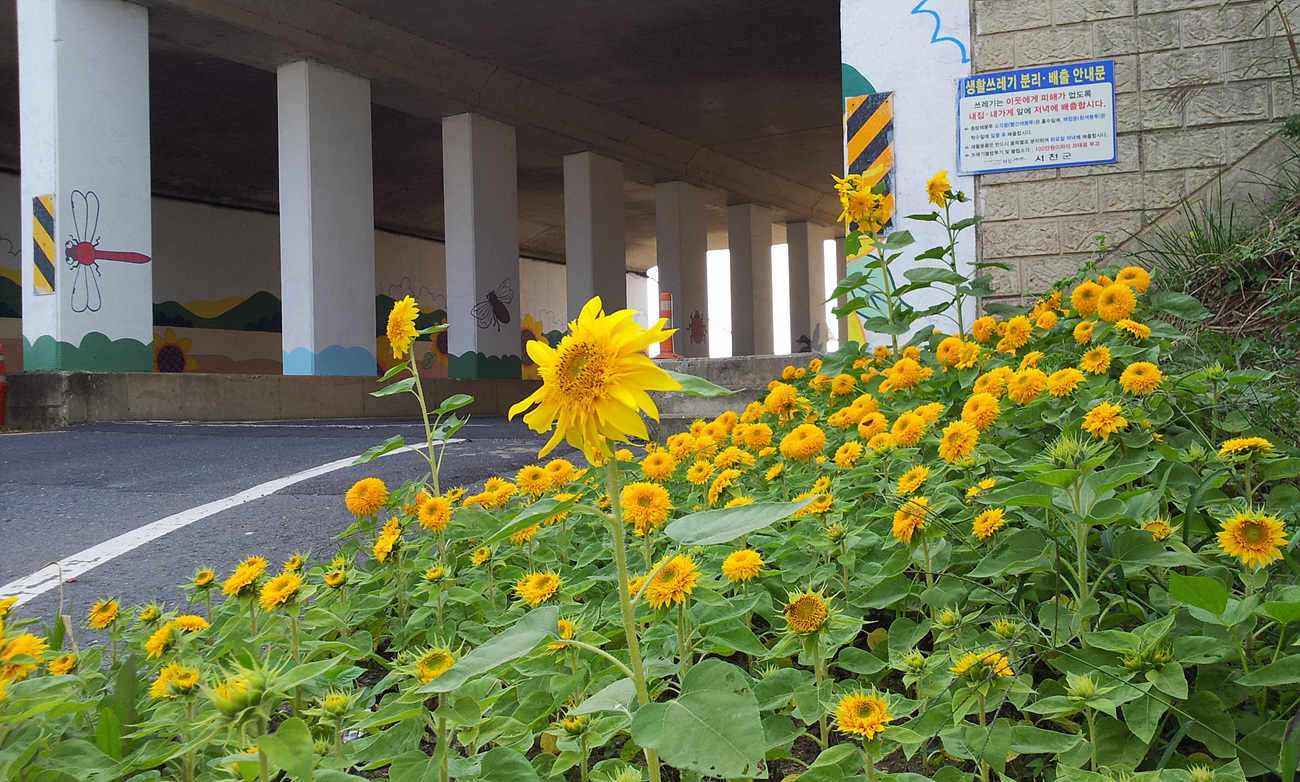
(625, 605)
(819, 669)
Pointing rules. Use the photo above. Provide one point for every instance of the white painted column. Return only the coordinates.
(682, 242)
(327, 221)
(480, 188)
(595, 237)
(87, 231)
(749, 236)
(808, 329)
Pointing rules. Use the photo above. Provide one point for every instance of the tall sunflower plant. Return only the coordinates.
(1028, 550)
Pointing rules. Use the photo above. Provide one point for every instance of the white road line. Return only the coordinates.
(47, 578)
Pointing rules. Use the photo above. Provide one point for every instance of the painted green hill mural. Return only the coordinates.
(11, 298)
(259, 312)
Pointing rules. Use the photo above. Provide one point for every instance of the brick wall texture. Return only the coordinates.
(1198, 85)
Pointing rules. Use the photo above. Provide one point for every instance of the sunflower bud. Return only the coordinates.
(321, 747)
(1080, 688)
(337, 704)
(948, 619)
(241, 690)
(1132, 662)
(1202, 774)
(1006, 629)
(914, 662)
(575, 725)
(834, 533)
(1161, 655)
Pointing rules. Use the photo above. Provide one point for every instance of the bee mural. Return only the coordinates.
(697, 328)
(492, 311)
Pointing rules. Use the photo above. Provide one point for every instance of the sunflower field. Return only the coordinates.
(1016, 551)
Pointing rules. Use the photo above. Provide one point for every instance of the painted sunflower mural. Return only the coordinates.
(171, 354)
(530, 329)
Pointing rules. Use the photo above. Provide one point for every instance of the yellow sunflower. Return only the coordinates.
(434, 513)
(1083, 331)
(659, 466)
(904, 374)
(561, 471)
(843, 385)
(567, 630)
(1140, 377)
(1159, 529)
(595, 383)
(910, 518)
(871, 425)
(401, 326)
(724, 481)
(433, 664)
(984, 665)
(160, 641)
(913, 479)
(1116, 302)
(280, 590)
(530, 329)
(806, 612)
(1027, 385)
(190, 623)
(366, 497)
(103, 614)
(1245, 445)
(1084, 298)
(536, 588)
(988, 522)
(674, 581)
(1135, 277)
(937, 190)
(804, 442)
(1253, 537)
(774, 471)
(1064, 382)
(248, 571)
(1133, 329)
(742, 565)
(25, 645)
(984, 328)
(1096, 361)
(699, 472)
(782, 400)
(646, 506)
(862, 715)
(993, 382)
(1103, 420)
(533, 480)
(981, 411)
(908, 430)
(1017, 335)
(848, 454)
(63, 665)
(525, 535)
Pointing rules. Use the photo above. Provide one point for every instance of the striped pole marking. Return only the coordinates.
(43, 244)
(869, 137)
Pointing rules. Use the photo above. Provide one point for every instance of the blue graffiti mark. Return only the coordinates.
(938, 23)
(11, 250)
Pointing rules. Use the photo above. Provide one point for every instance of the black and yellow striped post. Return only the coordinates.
(43, 244)
(869, 139)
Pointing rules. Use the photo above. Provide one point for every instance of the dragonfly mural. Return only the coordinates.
(82, 253)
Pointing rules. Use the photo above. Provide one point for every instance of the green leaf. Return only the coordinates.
(698, 386)
(1142, 715)
(1214, 726)
(859, 661)
(619, 696)
(712, 728)
(290, 748)
(413, 766)
(433, 329)
(520, 639)
(1180, 305)
(1284, 612)
(394, 443)
(532, 514)
(108, 734)
(1207, 594)
(407, 384)
(932, 275)
(301, 674)
(709, 527)
(453, 402)
(897, 240)
(1290, 755)
(502, 764)
(1284, 671)
(931, 217)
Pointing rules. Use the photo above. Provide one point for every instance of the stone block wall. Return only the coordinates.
(1199, 84)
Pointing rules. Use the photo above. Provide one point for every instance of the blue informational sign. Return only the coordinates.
(1061, 115)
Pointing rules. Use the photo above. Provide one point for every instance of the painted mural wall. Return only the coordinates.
(901, 60)
(216, 284)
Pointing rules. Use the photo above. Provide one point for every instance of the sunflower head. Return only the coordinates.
(742, 565)
(595, 382)
(862, 715)
(401, 326)
(1253, 537)
(806, 612)
(673, 582)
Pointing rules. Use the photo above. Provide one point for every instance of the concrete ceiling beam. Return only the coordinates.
(446, 82)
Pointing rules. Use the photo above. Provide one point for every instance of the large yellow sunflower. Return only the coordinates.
(959, 439)
(862, 715)
(659, 466)
(908, 430)
(401, 326)
(983, 665)
(248, 571)
(434, 513)
(806, 612)
(280, 590)
(742, 565)
(937, 191)
(981, 410)
(1103, 420)
(1084, 298)
(1140, 377)
(910, 518)
(433, 664)
(595, 383)
(1064, 382)
(1027, 385)
(724, 481)
(103, 614)
(1135, 277)
(988, 522)
(366, 497)
(913, 479)
(804, 442)
(1237, 446)
(1116, 302)
(674, 581)
(25, 645)
(1253, 537)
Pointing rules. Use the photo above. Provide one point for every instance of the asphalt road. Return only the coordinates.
(64, 491)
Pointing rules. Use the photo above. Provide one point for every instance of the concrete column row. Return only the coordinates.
(88, 302)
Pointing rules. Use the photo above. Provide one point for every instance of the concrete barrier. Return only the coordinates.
(41, 400)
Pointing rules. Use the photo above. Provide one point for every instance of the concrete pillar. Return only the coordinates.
(841, 271)
(327, 221)
(481, 197)
(749, 230)
(87, 280)
(682, 241)
(595, 238)
(808, 329)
